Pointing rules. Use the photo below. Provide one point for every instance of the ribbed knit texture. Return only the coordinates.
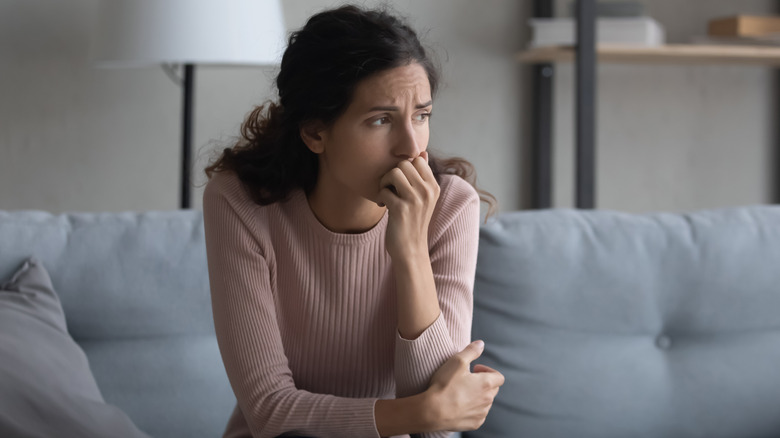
(306, 319)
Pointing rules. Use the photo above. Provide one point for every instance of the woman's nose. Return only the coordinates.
(407, 145)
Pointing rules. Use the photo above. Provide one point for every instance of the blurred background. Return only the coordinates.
(670, 137)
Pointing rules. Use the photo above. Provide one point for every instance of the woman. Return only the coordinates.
(341, 255)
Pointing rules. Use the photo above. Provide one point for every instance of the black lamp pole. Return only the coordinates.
(186, 135)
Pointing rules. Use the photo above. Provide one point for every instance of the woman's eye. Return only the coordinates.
(423, 117)
(381, 121)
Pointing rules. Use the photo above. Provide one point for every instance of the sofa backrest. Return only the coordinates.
(135, 291)
(609, 324)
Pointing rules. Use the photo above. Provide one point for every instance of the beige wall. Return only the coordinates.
(73, 137)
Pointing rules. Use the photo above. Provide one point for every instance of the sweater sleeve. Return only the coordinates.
(453, 252)
(249, 337)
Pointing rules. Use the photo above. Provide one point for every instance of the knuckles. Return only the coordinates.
(432, 193)
(425, 195)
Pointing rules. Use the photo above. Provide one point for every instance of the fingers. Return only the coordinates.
(423, 169)
(479, 368)
(399, 179)
(388, 198)
(493, 377)
(413, 170)
(473, 351)
(393, 186)
(410, 179)
(420, 177)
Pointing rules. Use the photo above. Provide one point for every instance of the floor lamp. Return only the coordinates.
(138, 33)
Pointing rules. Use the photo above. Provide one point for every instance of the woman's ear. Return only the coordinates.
(313, 134)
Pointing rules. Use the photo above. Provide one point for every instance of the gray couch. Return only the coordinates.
(604, 324)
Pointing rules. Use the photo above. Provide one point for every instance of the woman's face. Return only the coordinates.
(386, 123)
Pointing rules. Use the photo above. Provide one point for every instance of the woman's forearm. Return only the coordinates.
(406, 415)
(418, 303)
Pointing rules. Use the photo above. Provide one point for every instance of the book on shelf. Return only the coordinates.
(634, 31)
(744, 26)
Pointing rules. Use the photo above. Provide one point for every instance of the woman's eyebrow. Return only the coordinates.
(395, 108)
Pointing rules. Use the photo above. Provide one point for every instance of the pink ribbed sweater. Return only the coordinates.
(306, 318)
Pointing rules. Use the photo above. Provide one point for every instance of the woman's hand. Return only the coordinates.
(410, 192)
(460, 399)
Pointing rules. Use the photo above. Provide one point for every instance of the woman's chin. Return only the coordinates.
(375, 200)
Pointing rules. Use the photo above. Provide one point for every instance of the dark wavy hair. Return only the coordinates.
(323, 63)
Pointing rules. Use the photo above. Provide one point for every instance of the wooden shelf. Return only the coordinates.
(666, 54)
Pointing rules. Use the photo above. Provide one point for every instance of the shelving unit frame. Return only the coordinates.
(586, 55)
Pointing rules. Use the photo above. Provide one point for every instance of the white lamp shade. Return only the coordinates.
(133, 33)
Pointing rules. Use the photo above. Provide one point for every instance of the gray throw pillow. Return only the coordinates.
(46, 386)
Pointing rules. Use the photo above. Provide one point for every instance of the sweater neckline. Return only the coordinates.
(301, 204)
